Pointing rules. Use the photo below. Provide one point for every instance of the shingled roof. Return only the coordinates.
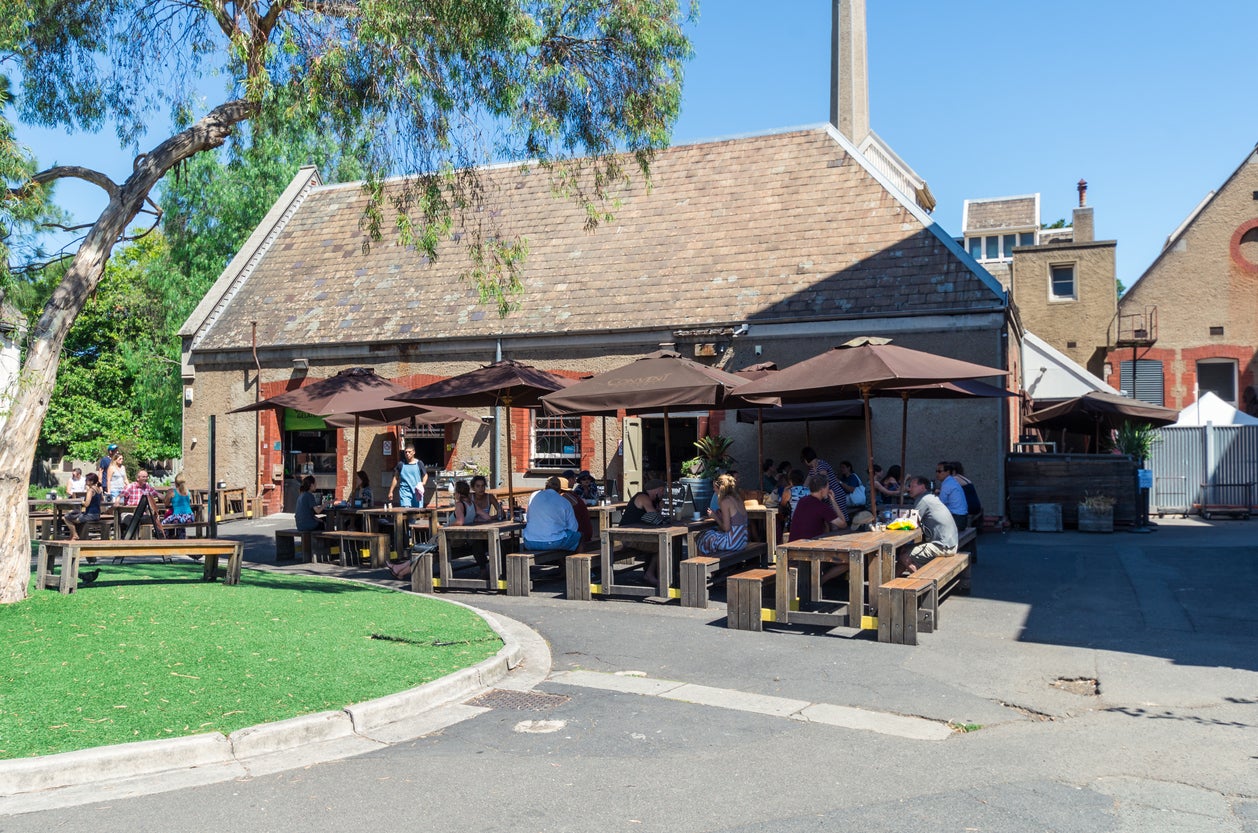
(779, 227)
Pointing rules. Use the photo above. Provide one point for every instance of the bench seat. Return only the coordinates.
(750, 597)
(346, 544)
(73, 552)
(909, 605)
(286, 541)
(698, 572)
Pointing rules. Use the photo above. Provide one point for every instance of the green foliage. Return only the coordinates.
(713, 457)
(1056, 224)
(1136, 439)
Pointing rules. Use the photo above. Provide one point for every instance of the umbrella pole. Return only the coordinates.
(869, 450)
(353, 475)
(606, 490)
(904, 443)
(506, 401)
(760, 443)
(668, 466)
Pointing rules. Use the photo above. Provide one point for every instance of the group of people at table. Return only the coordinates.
(813, 501)
(110, 484)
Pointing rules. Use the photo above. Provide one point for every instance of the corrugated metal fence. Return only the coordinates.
(1210, 466)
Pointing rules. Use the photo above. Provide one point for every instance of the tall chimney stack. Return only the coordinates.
(1082, 222)
(1083, 192)
(849, 70)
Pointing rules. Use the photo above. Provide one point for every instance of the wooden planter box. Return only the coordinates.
(1044, 517)
(1096, 520)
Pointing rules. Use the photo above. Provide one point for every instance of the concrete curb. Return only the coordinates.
(143, 758)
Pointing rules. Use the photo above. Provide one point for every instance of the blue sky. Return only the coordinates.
(1152, 102)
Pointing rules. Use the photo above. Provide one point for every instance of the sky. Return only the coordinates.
(1152, 102)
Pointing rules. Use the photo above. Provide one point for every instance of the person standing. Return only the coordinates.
(939, 530)
(818, 466)
(103, 465)
(408, 480)
(115, 481)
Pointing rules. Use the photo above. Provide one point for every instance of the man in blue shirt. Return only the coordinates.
(952, 496)
(408, 480)
(552, 525)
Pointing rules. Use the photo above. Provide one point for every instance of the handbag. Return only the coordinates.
(857, 496)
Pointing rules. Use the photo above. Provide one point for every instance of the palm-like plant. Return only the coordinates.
(1136, 439)
(713, 457)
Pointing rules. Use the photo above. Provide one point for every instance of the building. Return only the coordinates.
(1190, 322)
(1062, 281)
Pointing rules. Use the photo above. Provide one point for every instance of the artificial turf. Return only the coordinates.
(150, 651)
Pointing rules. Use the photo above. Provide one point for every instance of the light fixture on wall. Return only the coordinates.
(301, 364)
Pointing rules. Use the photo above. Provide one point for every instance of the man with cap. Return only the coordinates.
(103, 465)
(587, 489)
(552, 525)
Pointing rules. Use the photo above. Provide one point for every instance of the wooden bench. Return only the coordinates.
(286, 542)
(578, 576)
(751, 596)
(520, 568)
(73, 552)
(345, 545)
(698, 572)
(907, 606)
(968, 541)
(200, 529)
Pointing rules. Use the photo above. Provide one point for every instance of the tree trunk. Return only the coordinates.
(19, 434)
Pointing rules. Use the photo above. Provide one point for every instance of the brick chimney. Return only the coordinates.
(849, 70)
(1084, 230)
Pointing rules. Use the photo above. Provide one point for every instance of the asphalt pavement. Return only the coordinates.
(1107, 683)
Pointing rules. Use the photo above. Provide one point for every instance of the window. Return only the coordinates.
(556, 442)
(1218, 376)
(1062, 282)
(998, 246)
(1147, 386)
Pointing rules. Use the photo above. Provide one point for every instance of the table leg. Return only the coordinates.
(856, 588)
(770, 537)
(605, 549)
(443, 559)
(495, 561)
(783, 593)
(664, 564)
(814, 580)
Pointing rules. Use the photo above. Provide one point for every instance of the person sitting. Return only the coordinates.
(552, 525)
(464, 515)
(179, 509)
(889, 483)
(799, 488)
(486, 508)
(768, 480)
(77, 487)
(817, 515)
(852, 486)
(363, 498)
(573, 495)
(143, 497)
(730, 534)
(305, 517)
(89, 511)
(587, 489)
(973, 506)
(939, 530)
(644, 510)
(951, 494)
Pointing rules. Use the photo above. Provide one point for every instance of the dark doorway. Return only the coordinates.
(683, 431)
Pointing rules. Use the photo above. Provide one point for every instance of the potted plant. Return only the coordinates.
(1096, 513)
(699, 471)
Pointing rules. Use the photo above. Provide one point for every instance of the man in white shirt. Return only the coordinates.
(552, 525)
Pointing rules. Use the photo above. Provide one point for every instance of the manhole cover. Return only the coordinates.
(1083, 686)
(521, 701)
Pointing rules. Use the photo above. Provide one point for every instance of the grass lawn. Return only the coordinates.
(150, 651)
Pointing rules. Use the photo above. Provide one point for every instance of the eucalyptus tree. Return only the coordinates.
(587, 88)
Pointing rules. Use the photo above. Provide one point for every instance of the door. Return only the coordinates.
(632, 433)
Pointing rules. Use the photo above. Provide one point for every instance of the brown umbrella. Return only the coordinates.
(655, 382)
(357, 392)
(862, 367)
(1095, 410)
(506, 383)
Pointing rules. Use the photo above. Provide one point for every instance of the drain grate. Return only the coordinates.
(521, 701)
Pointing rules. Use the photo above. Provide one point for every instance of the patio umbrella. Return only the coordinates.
(1095, 410)
(504, 383)
(655, 382)
(356, 393)
(862, 367)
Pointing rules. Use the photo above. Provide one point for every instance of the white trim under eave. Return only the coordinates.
(921, 216)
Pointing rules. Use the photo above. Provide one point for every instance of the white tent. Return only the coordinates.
(1211, 409)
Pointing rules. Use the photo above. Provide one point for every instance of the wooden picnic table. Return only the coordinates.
(399, 515)
(666, 541)
(768, 517)
(871, 562)
(601, 514)
(491, 537)
(72, 553)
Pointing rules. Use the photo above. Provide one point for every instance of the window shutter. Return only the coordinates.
(1148, 382)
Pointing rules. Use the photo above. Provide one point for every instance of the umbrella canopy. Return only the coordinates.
(659, 381)
(351, 390)
(400, 414)
(858, 367)
(1084, 414)
(863, 367)
(506, 383)
(656, 382)
(804, 412)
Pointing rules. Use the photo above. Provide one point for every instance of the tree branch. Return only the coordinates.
(74, 172)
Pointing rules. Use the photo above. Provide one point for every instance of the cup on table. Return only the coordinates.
(388, 504)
